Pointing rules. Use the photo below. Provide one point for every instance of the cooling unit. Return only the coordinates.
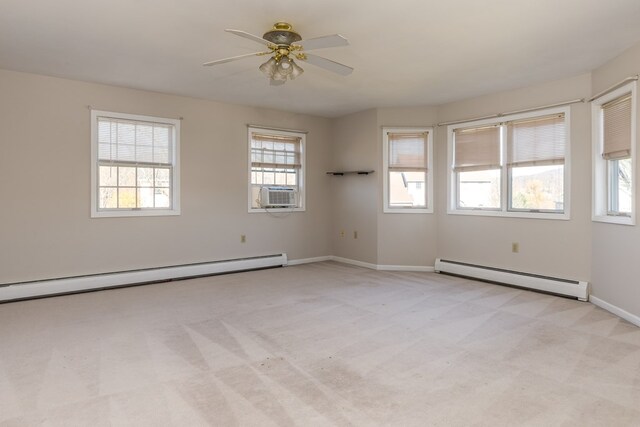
(271, 197)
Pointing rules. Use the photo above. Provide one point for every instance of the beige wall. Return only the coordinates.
(550, 247)
(615, 270)
(404, 239)
(45, 228)
(383, 238)
(355, 197)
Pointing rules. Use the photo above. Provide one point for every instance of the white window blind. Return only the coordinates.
(536, 142)
(134, 142)
(477, 148)
(617, 128)
(407, 151)
(278, 152)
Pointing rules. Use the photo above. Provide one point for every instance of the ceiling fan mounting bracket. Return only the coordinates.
(282, 34)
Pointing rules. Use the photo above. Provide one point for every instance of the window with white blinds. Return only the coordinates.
(537, 141)
(276, 160)
(275, 152)
(513, 165)
(134, 166)
(614, 124)
(407, 151)
(407, 171)
(477, 148)
(134, 142)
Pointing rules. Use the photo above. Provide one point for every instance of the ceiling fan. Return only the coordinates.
(284, 45)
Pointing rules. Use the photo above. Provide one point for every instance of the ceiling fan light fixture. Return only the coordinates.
(269, 67)
(296, 70)
(284, 66)
(277, 75)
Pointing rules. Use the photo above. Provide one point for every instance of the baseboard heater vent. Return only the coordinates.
(93, 282)
(570, 288)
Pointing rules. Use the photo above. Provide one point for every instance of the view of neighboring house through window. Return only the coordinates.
(135, 165)
(510, 166)
(407, 170)
(276, 162)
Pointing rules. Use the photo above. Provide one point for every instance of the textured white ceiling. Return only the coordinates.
(405, 52)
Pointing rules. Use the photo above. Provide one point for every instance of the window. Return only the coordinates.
(535, 161)
(477, 167)
(512, 166)
(407, 161)
(134, 165)
(276, 162)
(614, 156)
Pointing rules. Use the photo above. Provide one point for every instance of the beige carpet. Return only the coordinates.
(319, 344)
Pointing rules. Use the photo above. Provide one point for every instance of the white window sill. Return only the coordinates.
(510, 214)
(276, 210)
(134, 213)
(611, 219)
(407, 210)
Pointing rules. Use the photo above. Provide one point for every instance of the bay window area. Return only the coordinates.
(514, 165)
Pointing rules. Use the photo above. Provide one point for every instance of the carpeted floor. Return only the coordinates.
(317, 344)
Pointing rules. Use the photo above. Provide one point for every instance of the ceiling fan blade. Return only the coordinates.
(249, 36)
(333, 40)
(328, 64)
(234, 58)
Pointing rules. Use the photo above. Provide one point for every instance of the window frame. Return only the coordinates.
(96, 212)
(505, 173)
(601, 172)
(386, 208)
(301, 198)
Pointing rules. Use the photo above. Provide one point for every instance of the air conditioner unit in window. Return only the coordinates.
(272, 197)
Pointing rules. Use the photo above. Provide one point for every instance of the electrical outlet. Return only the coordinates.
(515, 247)
(243, 238)
(355, 234)
(342, 233)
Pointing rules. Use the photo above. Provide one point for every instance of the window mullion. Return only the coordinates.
(505, 185)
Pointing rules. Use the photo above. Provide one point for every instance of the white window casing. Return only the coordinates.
(407, 153)
(135, 165)
(495, 148)
(276, 158)
(614, 117)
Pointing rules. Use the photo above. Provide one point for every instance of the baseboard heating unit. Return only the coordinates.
(93, 282)
(570, 288)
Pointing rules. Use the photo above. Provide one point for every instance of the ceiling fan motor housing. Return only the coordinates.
(282, 34)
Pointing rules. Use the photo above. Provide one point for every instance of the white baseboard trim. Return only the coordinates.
(17, 291)
(309, 260)
(631, 318)
(354, 262)
(41, 288)
(381, 267)
(420, 268)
